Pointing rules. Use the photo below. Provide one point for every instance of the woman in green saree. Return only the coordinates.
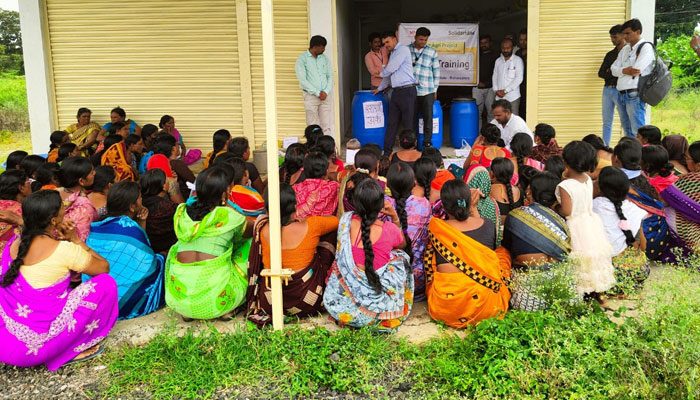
(206, 272)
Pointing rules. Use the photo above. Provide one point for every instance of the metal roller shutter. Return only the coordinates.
(573, 39)
(291, 39)
(151, 58)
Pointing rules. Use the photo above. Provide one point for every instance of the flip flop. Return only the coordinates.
(97, 353)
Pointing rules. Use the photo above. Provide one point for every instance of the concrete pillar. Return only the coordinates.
(37, 65)
(644, 10)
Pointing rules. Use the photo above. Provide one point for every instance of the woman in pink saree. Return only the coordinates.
(316, 195)
(43, 320)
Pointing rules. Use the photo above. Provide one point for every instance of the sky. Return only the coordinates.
(9, 5)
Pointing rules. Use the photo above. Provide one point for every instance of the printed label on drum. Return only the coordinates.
(374, 114)
(436, 125)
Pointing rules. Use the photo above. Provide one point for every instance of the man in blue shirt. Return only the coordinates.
(315, 77)
(399, 73)
(426, 70)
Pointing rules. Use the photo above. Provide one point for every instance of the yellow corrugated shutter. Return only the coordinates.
(570, 42)
(151, 58)
(291, 39)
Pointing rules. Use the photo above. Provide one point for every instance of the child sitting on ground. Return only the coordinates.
(546, 143)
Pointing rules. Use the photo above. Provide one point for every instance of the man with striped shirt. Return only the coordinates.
(426, 69)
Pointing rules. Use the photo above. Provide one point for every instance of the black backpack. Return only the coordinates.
(655, 86)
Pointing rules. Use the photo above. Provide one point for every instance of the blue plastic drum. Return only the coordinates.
(369, 117)
(436, 139)
(464, 122)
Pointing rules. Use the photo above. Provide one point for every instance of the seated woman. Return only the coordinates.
(291, 170)
(148, 134)
(507, 196)
(159, 224)
(312, 133)
(465, 277)
(366, 163)
(207, 268)
(371, 284)
(683, 211)
(45, 320)
(677, 147)
(84, 132)
(14, 159)
(46, 177)
(14, 188)
(134, 145)
(627, 156)
(486, 148)
(408, 140)
(442, 174)
(121, 239)
(164, 149)
(104, 179)
(57, 138)
(221, 139)
(116, 129)
(537, 238)
(167, 124)
(656, 165)
(308, 248)
(546, 144)
(649, 135)
(76, 175)
(67, 150)
(326, 145)
(622, 220)
(316, 194)
(109, 141)
(167, 146)
(243, 198)
(119, 115)
(120, 158)
(31, 163)
(521, 147)
(240, 148)
(555, 165)
(479, 180)
(604, 153)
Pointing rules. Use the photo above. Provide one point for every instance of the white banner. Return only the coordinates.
(457, 46)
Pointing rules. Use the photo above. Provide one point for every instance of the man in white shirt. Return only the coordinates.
(508, 123)
(634, 60)
(508, 75)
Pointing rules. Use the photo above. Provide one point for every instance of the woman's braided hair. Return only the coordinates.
(614, 185)
(37, 211)
(401, 179)
(369, 200)
(502, 169)
(425, 171)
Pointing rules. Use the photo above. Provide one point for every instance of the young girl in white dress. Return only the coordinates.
(589, 245)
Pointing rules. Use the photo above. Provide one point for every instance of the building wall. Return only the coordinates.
(178, 58)
(567, 42)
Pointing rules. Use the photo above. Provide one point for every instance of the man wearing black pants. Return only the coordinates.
(426, 70)
(398, 73)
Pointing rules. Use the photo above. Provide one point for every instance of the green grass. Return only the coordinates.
(575, 353)
(679, 113)
(14, 116)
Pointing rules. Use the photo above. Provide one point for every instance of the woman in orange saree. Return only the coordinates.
(119, 158)
(466, 279)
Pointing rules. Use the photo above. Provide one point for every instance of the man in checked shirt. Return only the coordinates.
(426, 69)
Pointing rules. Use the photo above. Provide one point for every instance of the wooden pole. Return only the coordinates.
(273, 178)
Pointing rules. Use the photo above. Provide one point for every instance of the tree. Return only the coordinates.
(10, 42)
(676, 17)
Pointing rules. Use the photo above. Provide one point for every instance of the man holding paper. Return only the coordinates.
(399, 73)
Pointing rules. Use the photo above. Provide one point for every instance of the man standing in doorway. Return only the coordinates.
(508, 123)
(611, 96)
(399, 73)
(376, 59)
(633, 61)
(316, 80)
(483, 92)
(426, 70)
(508, 75)
(522, 53)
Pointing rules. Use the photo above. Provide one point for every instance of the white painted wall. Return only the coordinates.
(321, 23)
(37, 67)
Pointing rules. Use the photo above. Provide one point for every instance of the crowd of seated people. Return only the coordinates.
(116, 226)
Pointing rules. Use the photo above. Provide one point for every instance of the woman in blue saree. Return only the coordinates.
(139, 272)
(538, 239)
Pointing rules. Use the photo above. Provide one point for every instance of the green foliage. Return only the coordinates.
(686, 68)
(679, 113)
(675, 17)
(10, 42)
(13, 104)
(575, 353)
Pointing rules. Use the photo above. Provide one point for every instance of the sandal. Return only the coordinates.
(97, 353)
